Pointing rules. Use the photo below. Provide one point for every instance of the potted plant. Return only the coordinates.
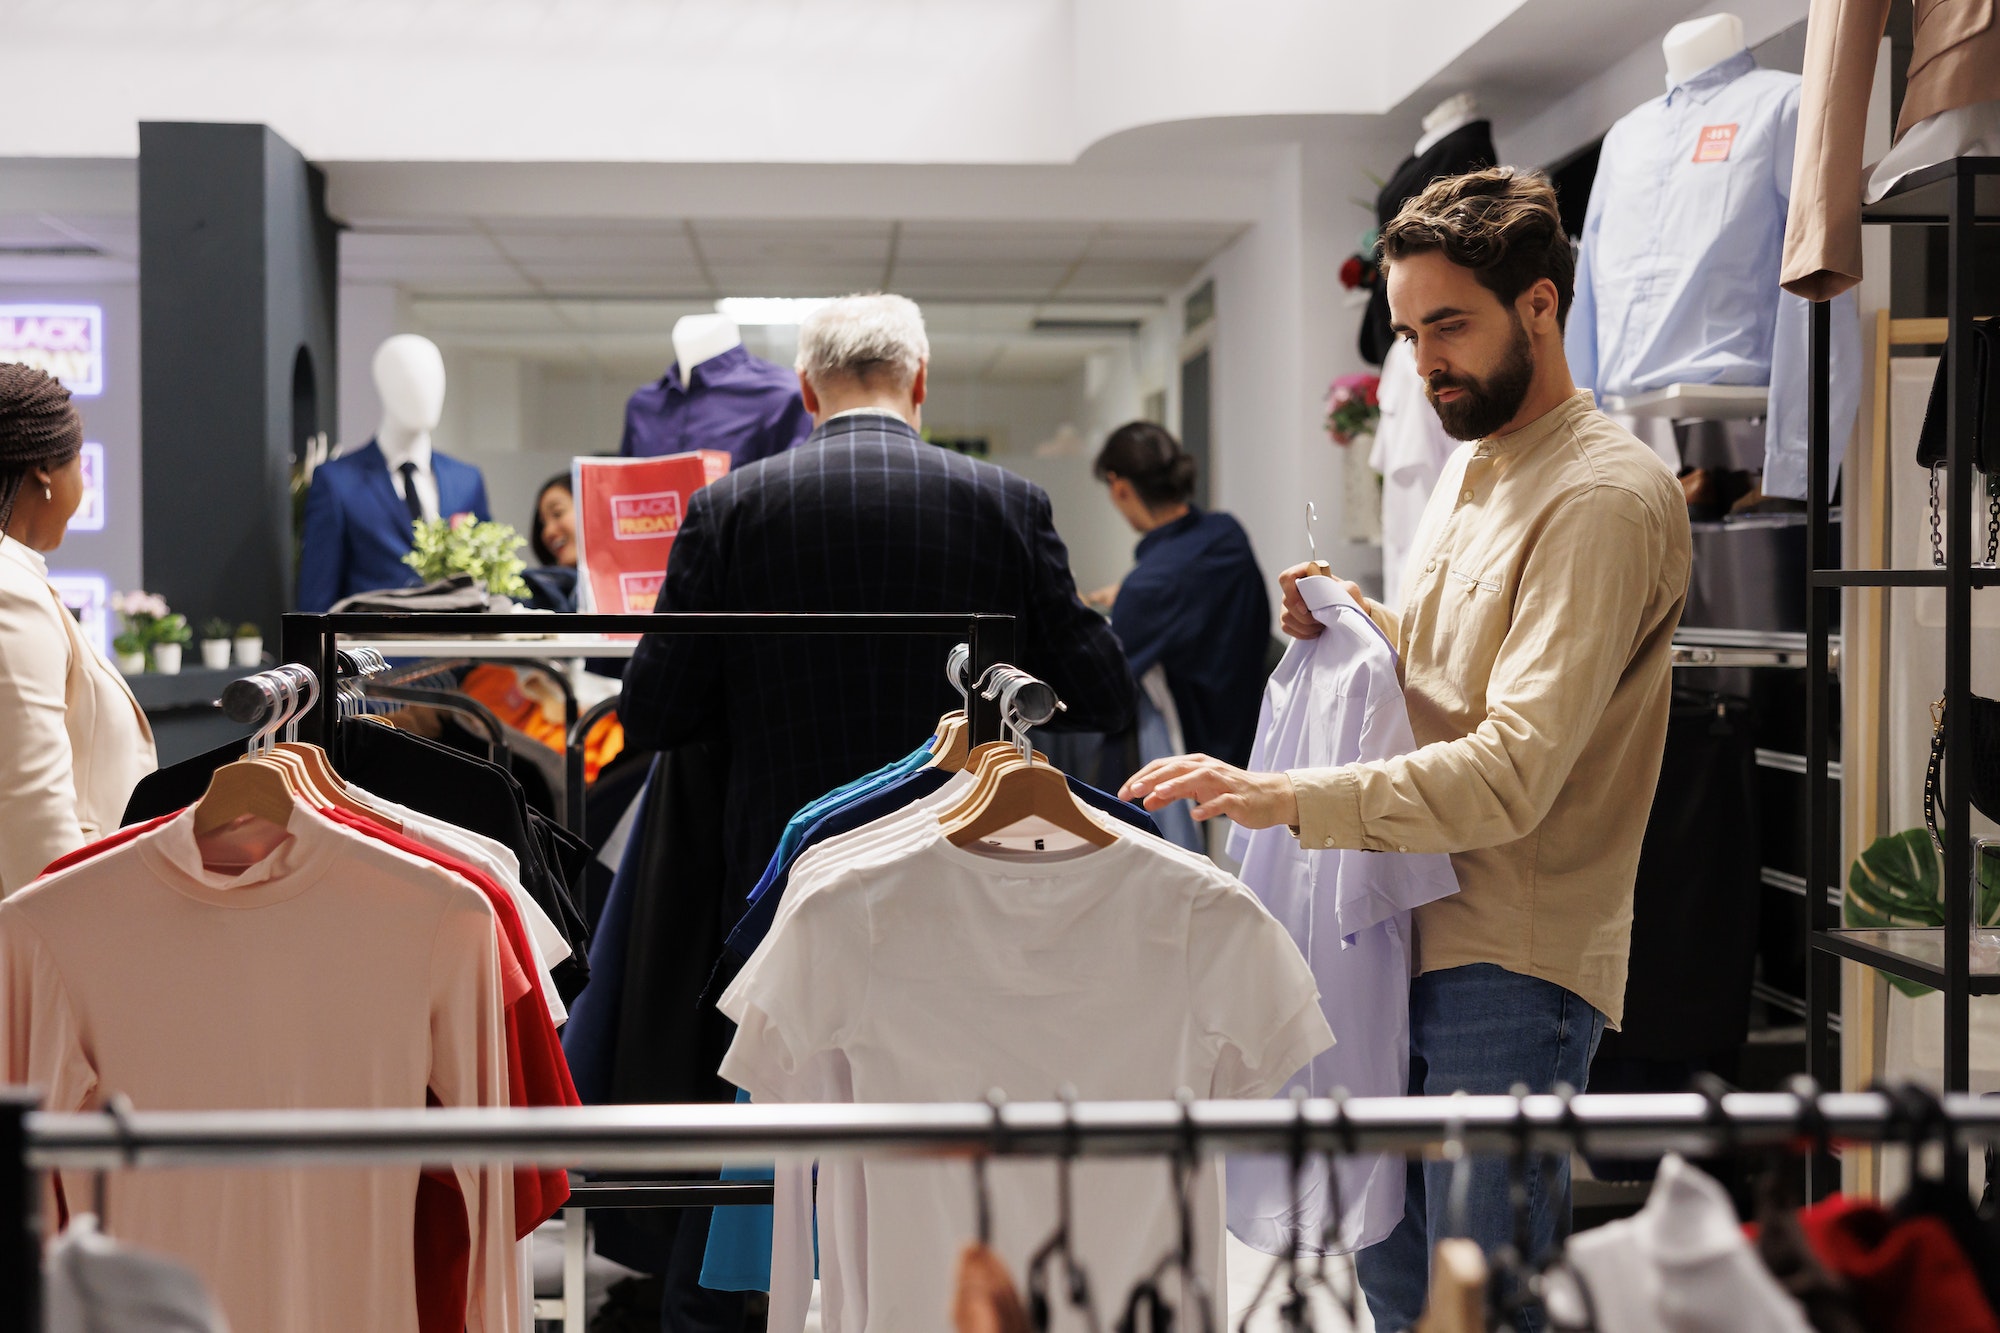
(215, 643)
(138, 613)
(486, 550)
(171, 634)
(249, 645)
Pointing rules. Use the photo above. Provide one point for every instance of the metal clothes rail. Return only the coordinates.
(686, 1136)
(314, 640)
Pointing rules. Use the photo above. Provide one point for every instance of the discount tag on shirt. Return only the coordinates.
(1714, 143)
(628, 512)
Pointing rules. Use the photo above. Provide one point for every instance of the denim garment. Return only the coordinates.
(1677, 275)
(1482, 1029)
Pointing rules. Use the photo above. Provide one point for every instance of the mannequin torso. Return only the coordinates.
(1455, 111)
(1694, 46)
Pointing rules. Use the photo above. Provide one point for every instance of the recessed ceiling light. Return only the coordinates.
(769, 309)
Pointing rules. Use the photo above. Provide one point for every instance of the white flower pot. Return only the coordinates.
(167, 658)
(249, 652)
(215, 654)
(132, 664)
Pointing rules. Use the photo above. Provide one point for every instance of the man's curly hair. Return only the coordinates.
(1500, 223)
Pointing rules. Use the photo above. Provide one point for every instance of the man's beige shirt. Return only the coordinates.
(1535, 644)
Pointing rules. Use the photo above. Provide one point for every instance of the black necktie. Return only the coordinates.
(411, 502)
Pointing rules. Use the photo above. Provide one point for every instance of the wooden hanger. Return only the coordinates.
(1022, 791)
(245, 787)
(952, 746)
(328, 784)
(1458, 1289)
(1014, 787)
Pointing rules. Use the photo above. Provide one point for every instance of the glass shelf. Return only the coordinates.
(1925, 196)
(1915, 955)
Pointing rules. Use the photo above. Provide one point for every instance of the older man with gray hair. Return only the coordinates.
(864, 516)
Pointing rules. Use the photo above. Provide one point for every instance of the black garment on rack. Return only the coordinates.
(605, 802)
(1467, 148)
(477, 796)
(178, 786)
(1694, 910)
(668, 1043)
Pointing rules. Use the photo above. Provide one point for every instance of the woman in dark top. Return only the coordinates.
(552, 535)
(1194, 603)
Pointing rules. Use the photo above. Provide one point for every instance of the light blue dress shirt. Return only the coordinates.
(1677, 277)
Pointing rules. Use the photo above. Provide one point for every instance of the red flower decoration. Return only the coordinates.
(1351, 272)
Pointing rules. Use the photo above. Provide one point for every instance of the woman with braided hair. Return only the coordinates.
(73, 742)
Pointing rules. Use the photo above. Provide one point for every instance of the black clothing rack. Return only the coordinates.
(1956, 195)
(689, 1136)
(314, 640)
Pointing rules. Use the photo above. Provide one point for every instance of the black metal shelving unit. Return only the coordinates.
(1958, 195)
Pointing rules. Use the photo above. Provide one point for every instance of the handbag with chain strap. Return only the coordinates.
(1984, 735)
(1985, 435)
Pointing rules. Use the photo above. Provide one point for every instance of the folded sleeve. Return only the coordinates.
(1576, 623)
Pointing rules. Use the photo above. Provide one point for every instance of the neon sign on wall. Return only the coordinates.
(89, 515)
(67, 341)
(88, 596)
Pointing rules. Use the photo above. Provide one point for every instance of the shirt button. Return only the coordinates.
(1402, 849)
(1431, 568)
(1466, 495)
(1329, 842)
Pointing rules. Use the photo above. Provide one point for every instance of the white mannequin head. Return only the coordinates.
(699, 338)
(409, 375)
(1693, 46)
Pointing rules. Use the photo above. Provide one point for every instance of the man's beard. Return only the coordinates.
(1490, 403)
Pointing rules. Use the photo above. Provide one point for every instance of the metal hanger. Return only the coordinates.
(1319, 566)
(1292, 1312)
(1060, 1247)
(982, 1199)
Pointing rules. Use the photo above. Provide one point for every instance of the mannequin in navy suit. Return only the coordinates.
(362, 505)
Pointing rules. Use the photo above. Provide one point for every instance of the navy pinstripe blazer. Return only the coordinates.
(862, 517)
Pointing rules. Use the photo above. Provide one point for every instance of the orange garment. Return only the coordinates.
(335, 972)
(985, 1300)
(500, 689)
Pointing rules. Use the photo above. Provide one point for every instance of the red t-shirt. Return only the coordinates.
(105, 844)
(537, 1075)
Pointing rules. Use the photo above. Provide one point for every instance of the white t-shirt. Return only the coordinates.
(905, 969)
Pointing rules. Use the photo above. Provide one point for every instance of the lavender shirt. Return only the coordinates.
(737, 402)
(1336, 700)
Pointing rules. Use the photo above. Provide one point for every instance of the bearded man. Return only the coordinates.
(1534, 641)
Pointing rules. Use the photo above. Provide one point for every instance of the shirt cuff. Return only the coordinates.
(1329, 807)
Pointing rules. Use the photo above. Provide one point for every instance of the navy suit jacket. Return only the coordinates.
(864, 516)
(358, 528)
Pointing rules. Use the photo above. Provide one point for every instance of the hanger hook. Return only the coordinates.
(996, 1100)
(956, 667)
(1312, 517)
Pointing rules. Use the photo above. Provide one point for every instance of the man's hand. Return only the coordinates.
(1254, 800)
(1102, 599)
(1297, 621)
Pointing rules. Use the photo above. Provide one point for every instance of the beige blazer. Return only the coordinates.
(1955, 62)
(73, 741)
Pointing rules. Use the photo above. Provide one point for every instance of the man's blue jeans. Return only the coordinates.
(1482, 1029)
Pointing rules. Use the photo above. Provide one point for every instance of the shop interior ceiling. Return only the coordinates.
(1027, 266)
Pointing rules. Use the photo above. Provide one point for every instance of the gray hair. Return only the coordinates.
(863, 337)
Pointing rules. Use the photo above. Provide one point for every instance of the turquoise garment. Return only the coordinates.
(738, 1257)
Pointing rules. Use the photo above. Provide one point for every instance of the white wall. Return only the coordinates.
(703, 80)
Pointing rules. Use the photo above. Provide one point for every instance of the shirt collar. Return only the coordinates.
(1542, 427)
(1706, 84)
(868, 412)
(710, 372)
(1165, 531)
(25, 556)
(417, 451)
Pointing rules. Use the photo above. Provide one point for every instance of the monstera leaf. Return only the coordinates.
(1896, 884)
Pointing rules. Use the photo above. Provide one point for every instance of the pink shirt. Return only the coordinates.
(336, 972)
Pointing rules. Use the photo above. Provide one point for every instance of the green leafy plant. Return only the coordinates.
(215, 627)
(488, 551)
(172, 628)
(246, 630)
(129, 644)
(1897, 884)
